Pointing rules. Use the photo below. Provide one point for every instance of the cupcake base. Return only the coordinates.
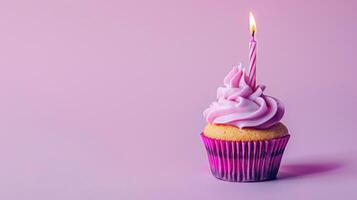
(245, 161)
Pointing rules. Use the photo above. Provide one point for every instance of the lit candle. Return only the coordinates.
(252, 52)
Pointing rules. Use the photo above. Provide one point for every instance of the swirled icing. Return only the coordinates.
(240, 105)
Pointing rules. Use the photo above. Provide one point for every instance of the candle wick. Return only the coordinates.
(253, 33)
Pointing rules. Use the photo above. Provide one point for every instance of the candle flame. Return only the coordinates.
(252, 25)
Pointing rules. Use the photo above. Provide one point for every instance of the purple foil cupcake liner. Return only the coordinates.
(247, 161)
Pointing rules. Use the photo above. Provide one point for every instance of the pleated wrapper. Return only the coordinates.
(245, 161)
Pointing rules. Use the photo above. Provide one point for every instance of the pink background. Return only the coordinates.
(104, 99)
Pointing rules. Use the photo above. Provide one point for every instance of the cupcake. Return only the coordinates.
(244, 137)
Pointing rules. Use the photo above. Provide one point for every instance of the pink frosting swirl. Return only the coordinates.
(239, 105)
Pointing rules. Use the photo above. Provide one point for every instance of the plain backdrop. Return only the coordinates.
(104, 99)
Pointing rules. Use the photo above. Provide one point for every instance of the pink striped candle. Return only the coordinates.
(252, 62)
(252, 53)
